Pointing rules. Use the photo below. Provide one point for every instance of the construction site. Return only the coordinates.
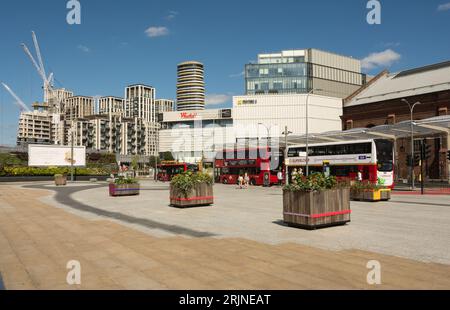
(125, 126)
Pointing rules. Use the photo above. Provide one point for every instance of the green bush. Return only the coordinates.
(98, 158)
(51, 171)
(186, 181)
(13, 159)
(366, 186)
(123, 180)
(314, 183)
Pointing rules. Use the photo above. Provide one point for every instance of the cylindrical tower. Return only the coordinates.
(190, 86)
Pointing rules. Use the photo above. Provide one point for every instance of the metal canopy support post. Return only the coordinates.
(442, 130)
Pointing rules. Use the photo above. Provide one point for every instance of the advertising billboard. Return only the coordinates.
(55, 156)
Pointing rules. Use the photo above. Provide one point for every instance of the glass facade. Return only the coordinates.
(290, 73)
(276, 78)
(204, 123)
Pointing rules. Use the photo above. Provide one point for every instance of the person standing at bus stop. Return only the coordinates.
(280, 178)
(294, 176)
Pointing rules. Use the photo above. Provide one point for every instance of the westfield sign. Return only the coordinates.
(186, 115)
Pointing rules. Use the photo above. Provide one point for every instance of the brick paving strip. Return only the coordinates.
(37, 241)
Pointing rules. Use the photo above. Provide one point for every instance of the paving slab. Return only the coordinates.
(38, 238)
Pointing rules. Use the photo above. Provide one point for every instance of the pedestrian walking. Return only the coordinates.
(240, 181)
(246, 180)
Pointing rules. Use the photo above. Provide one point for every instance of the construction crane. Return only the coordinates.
(23, 107)
(39, 65)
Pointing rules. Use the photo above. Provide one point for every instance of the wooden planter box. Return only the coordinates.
(124, 189)
(60, 180)
(371, 195)
(317, 209)
(201, 195)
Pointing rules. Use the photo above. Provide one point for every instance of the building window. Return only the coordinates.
(349, 125)
(390, 119)
(442, 111)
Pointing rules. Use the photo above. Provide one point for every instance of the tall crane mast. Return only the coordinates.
(39, 65)
(23, 107)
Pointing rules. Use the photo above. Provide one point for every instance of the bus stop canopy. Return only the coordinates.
(424, 128)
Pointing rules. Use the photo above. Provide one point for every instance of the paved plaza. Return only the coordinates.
(239, 243)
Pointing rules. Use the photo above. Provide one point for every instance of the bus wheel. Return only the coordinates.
(225, 181)
(253, 182)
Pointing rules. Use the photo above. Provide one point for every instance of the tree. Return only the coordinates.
(153, 161)
(135, 163)
(167, 156)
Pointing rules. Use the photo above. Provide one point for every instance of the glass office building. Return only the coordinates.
(300, 71)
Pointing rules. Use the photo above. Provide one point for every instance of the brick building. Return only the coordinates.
(380, 102)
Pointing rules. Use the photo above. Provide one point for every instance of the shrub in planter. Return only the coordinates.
(316, 201)
(124, 187)
(191, 189)
(366, 191)
(60, 180)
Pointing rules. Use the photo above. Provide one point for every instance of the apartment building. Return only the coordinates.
(190, 86)
(164, 105)
(34, 128)
(140, 102)
(78, 107)
(112, 106)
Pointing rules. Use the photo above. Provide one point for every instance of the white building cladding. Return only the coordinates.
(275, 112)
(190, 135)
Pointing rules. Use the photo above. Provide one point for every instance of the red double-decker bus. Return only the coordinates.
(167, 170)
(261, 165)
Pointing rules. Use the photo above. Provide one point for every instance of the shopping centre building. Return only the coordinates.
(282, 90)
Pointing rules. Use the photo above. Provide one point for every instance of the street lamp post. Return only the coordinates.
(307, 127)
(411, 109)
(286, 133)
(268, 132)
(71, 155)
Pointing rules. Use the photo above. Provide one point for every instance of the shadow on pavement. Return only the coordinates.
(64, 196)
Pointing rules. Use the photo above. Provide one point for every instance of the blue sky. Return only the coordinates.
(112, 47)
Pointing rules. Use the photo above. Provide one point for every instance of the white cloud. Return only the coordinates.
(216, 99)
(237, 75)
(444, 7)
(381, 59)
(172, 15)
(154, 32)
(84, 48)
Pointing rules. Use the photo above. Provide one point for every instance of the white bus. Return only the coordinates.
(373, 158)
